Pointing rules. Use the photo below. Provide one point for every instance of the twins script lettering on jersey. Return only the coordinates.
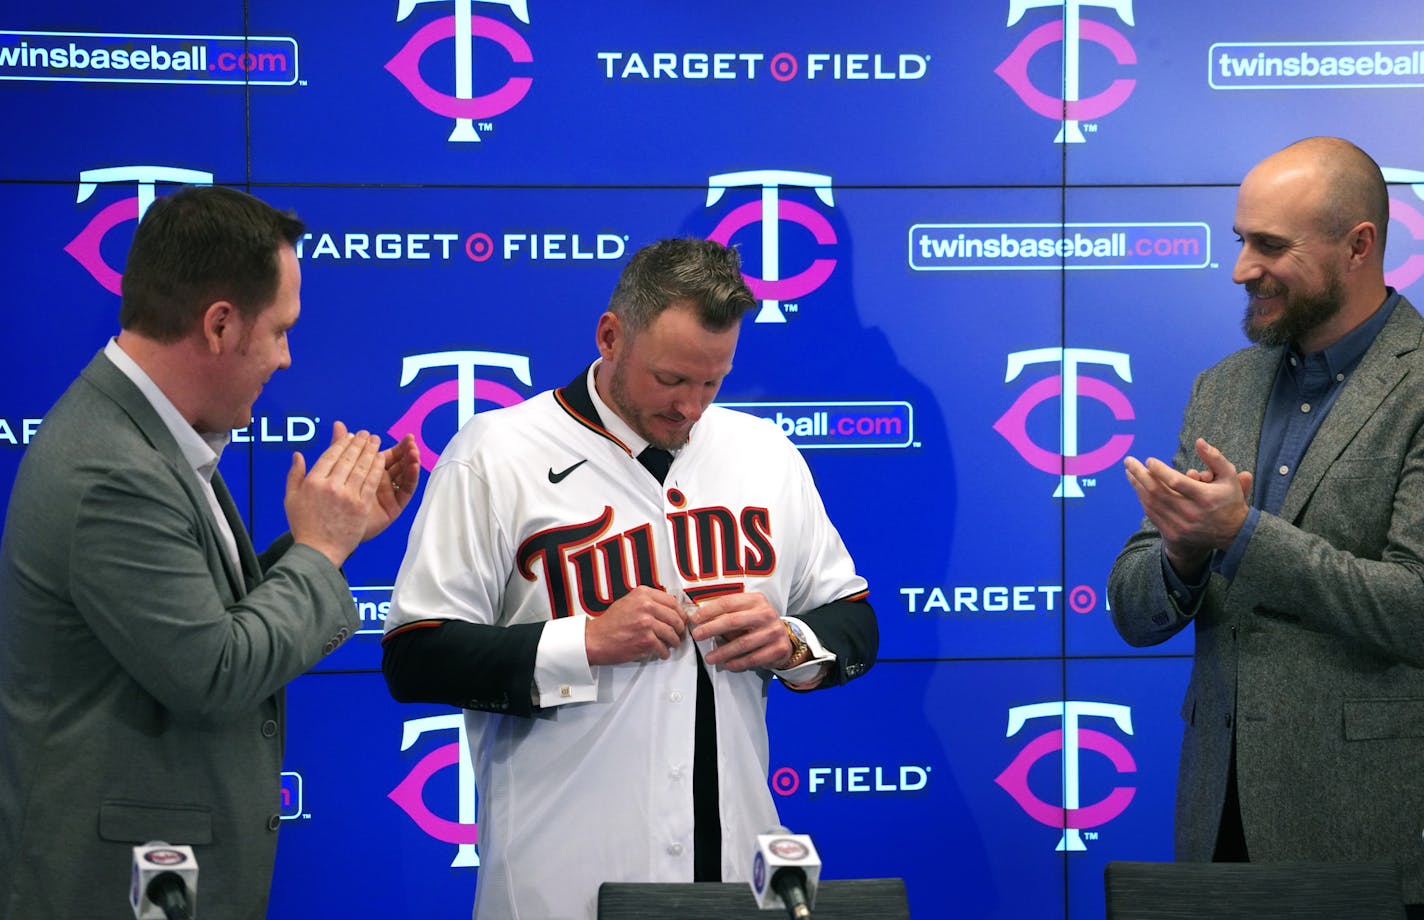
(586, 569)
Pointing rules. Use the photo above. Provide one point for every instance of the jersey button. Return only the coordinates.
(675, 849)
(675, 696)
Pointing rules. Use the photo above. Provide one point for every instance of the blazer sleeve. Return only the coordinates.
(1143, 611)
(147, 576)
(848, 628)
(462, 664)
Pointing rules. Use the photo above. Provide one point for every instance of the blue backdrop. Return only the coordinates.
(977, 297)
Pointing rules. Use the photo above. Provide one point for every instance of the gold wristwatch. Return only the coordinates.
(800, 651)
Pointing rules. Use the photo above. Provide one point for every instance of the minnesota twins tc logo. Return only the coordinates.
(1072, 109)
(1072, 817)
(1068, 386)
(771, 288)
(409, 794)
(464, 390)
(1405, 210)
(85, 248)
(464, 27)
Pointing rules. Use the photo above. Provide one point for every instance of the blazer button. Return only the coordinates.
(274, 822)
(269, 729)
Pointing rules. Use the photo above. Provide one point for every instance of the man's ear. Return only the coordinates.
(609, 335)
(221, 326)
(1363, 238)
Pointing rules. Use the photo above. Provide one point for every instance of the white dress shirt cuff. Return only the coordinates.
(562, 673)
(807, 671)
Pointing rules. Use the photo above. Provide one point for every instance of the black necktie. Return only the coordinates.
(706, 818)
(656, 461)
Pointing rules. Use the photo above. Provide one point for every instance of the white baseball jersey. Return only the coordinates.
(536, 513)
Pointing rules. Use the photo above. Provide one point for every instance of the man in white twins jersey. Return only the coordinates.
(610, 622)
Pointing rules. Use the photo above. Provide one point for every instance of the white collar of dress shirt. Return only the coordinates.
(201, 451)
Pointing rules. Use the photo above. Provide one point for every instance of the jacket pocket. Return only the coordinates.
(1356, 468)
(1389, 718)
(138, 822)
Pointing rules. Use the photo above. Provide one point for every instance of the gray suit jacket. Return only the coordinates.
(141, 675)
(1314, 652)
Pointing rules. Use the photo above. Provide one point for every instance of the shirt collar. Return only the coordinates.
(1342, 356)
(201, 451)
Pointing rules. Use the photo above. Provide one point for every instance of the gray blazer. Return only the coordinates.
(1314, 653)
(141, 675)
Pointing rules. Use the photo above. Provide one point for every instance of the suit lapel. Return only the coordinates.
(1369, 385)
(250, 566)
(111, 381)
(1239, 436)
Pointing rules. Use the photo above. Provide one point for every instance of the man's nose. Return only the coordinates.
(1247, 267)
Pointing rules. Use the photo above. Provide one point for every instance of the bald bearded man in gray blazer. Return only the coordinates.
(1289, 532)
(144, 644)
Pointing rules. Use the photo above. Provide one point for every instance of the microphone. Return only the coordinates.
(165, 882)
(785, 871)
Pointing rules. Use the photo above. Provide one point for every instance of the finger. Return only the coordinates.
(338, 431)
(1215, 460)
(1141, 480)
(401, 452)
(296, 472)
(753, 650)
(663, 601)
(758, 617)
(408, 476)
(704, 611)
(647, 637)
(1247, 479)
(410, 461)
(332, 456)
(395, 460)
(1163, 479)
(669, 636)
(713, 617)
(671, 618)
(732, 623)
(368, 471)
(359, 452)
(1134, 470)
(731, 603)
(1161, 471)
(725, 626)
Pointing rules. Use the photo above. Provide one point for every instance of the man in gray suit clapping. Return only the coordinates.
(1289, 531)
(144, 644)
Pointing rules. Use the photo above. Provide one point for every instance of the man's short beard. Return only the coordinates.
(622, 403)
(1301, 315)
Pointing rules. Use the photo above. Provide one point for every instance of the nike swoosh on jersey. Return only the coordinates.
(557, 478)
